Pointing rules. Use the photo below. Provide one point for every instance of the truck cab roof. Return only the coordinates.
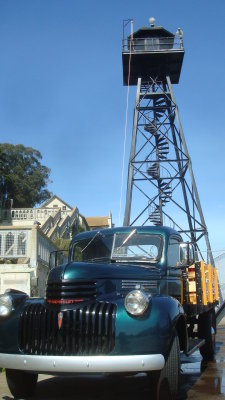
(165, 231)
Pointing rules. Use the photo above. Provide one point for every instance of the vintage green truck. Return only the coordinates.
(127, 300)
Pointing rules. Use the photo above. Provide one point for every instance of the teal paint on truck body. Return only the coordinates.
(84, 316)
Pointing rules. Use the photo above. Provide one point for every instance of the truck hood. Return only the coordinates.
(75, 270)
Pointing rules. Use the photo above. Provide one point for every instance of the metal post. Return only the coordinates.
(132, 155)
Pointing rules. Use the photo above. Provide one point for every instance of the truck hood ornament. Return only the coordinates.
(60, 319)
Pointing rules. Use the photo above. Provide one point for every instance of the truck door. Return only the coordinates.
(173, 270)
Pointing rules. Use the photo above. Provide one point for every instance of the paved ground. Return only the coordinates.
(198, 382)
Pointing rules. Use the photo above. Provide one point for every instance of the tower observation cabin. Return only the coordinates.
(152, 51)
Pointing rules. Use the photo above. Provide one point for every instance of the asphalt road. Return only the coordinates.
(198, 382)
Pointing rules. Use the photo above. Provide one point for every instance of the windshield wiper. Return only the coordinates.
(127, 238)
(97, 233)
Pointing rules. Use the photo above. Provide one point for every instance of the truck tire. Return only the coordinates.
(21, 384)
(164, 385)
(206, 330)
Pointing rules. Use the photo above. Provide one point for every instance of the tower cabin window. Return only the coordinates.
(152, 44)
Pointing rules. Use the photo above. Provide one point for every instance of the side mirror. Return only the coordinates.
(57, 258)
(187, 254)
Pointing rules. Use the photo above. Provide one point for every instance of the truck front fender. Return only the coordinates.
(153, 332)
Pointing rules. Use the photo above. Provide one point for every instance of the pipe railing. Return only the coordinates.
(148, 45)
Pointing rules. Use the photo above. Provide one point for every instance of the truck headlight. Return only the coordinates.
(136, 302)
(6, 305)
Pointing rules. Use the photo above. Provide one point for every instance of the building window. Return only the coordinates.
(21, 247)
(13, 243)
(9, 244)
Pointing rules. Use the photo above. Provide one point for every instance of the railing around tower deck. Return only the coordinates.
(151, 45)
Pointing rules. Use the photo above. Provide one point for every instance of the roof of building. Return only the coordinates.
(47, 202)
(97, 221)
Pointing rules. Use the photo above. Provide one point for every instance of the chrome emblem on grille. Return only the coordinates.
(60, 319)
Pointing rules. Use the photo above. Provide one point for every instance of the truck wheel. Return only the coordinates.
(21, 384)
(165, 385)
(171, 370)
(206, 330)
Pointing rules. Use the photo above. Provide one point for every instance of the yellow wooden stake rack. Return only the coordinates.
(199, 286)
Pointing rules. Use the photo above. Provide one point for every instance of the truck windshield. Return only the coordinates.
(120, 247)
(135, 246)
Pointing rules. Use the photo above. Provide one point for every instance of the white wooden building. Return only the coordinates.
(26, 240)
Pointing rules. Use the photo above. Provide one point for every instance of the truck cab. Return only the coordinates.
(123, 302)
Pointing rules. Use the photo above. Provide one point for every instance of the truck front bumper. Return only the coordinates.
(78, 364)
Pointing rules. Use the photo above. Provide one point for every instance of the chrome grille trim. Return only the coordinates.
(65, 290)
(86, 330)
(134, 284)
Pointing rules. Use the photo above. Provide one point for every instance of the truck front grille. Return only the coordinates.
(136, 284)
(69, 292)
(88, 330)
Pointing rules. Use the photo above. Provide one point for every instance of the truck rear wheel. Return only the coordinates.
(21, 384)
(206, 330)
(165, 385)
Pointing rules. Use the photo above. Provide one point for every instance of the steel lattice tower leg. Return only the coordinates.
(161, 188)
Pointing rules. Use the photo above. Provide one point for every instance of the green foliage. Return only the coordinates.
(61, 243)
(77, 229)
(25, 177)
(78, 254)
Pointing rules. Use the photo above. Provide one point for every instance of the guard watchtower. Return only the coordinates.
(161, 189)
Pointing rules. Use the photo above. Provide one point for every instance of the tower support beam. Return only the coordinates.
(161, 188)
(209, 251)
(126, 221)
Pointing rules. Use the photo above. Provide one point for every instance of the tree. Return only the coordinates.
(25, 177)
(62, 243)
(78, 229)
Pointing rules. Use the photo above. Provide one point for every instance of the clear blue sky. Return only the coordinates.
(61, 92)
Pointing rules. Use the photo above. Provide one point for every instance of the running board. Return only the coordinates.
(194, 344)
